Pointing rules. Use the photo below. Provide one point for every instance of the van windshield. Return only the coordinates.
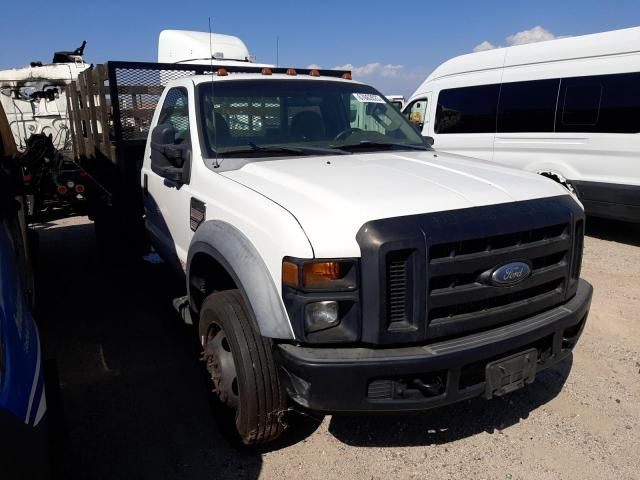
(259, 118)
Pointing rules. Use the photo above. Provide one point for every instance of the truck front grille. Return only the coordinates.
(460, 301)
(426, 277)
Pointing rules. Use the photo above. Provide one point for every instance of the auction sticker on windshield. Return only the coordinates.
(368, 98)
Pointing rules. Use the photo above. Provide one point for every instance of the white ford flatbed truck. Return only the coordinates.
(333, 259)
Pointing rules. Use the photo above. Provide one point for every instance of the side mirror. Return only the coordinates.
(167, 158)
(417, 127)
(163, 134)
(428, 140)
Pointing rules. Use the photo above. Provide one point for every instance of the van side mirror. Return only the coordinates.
(428, 140)
(167, 158)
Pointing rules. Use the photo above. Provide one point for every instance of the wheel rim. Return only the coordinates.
(221, 367)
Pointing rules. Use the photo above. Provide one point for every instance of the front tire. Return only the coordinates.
(241, 365)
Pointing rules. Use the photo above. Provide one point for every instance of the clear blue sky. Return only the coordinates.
(392, 44)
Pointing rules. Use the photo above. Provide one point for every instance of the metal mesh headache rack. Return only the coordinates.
(112, 104)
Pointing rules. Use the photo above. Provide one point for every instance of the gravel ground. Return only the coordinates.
(135, 403)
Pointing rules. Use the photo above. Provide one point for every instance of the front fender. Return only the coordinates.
(235, 252)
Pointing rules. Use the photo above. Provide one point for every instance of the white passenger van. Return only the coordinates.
(568, 109)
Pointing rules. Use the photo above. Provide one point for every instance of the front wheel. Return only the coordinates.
(242, 368)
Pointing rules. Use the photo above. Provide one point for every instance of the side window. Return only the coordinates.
(581, 104)
(467, 110)
(602, 103)
(175, 110)
(528, 106)
(416, 112)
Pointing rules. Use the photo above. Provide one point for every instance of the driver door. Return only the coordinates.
(167, 195)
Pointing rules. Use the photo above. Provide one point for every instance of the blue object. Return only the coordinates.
(22, 392)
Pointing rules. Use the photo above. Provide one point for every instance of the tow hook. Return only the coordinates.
(428, 390)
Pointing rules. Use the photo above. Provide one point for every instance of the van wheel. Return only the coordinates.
(241, 366)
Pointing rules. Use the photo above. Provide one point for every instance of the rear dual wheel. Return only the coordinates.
(242, 369)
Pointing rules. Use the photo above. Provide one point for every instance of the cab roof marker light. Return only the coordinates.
(346, 75)
(266, 71)
(222, 72)
(291, 71)
(314, 72)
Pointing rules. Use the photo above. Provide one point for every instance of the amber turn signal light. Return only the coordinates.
(328, 275)
(319, 274)
(290, 274)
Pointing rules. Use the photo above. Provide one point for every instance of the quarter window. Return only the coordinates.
(467, 110)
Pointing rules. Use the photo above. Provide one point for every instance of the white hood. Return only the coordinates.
(333, 196)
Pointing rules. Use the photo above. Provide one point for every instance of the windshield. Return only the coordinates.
(295, 117)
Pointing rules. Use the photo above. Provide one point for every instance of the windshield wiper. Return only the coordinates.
(287, 150)
(365, 144)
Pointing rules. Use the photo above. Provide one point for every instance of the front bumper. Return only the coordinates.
(415, 378)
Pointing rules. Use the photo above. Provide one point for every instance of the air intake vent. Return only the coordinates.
(578, 241)
(399, 273)
(197, 213)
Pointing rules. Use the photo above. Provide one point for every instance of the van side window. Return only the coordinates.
(467, 110)
(581, 105)
(600, 103)
(416, 112)
(528, 106)
(175, 111)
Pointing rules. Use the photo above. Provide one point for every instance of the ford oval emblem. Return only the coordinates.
(510, 274)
